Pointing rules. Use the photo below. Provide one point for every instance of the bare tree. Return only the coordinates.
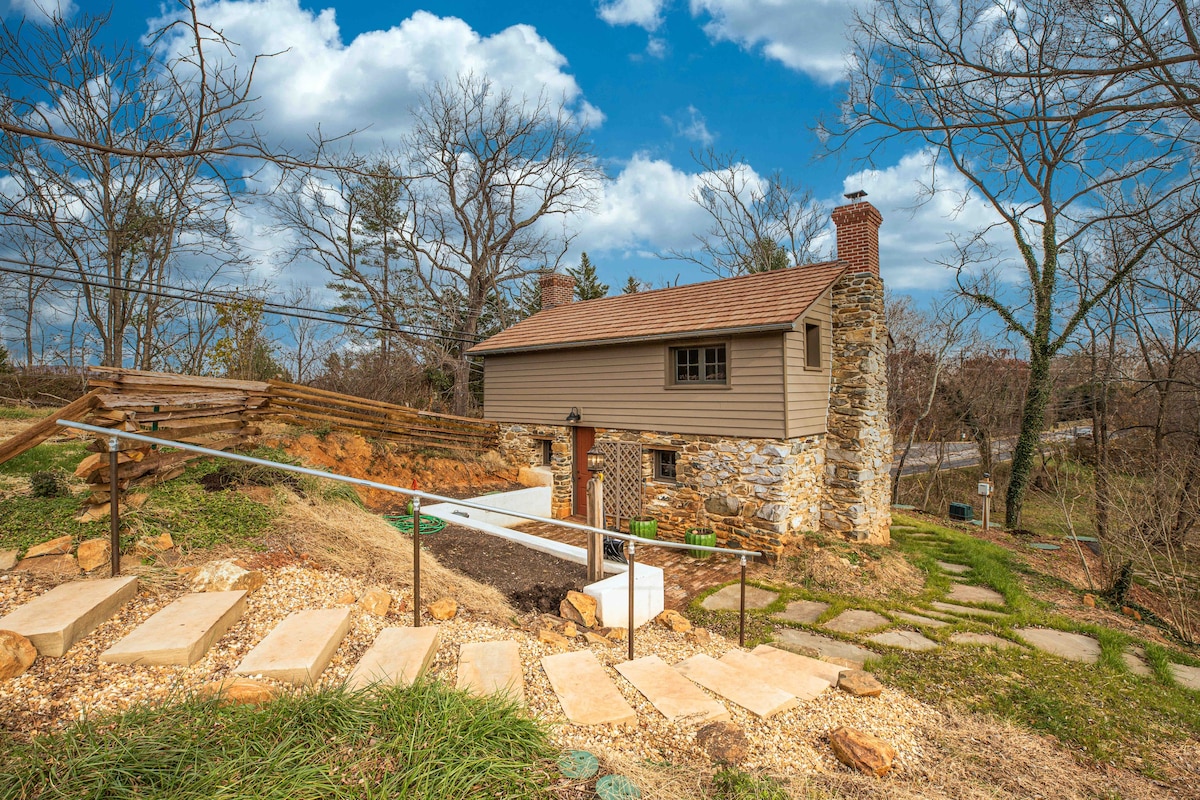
(994, 92)
(311, 340)
(755, 223)
(487, 174)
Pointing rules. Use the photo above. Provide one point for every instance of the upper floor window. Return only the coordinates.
(697, 366)
(812, 346)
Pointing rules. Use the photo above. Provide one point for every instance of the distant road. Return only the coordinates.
(966, 454)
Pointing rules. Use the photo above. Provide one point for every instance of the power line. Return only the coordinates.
(341, 318)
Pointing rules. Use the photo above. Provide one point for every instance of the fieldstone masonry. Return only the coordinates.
(858, 447)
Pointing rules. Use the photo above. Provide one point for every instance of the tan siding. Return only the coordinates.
(624, 387)
(808, 390)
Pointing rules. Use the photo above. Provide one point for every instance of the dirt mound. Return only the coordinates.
(844, 569)
(374, 460)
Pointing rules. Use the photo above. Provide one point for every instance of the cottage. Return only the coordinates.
(754, 405)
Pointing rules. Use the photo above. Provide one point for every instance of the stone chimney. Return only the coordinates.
(858, 236)
(557, 289)
(856, 501)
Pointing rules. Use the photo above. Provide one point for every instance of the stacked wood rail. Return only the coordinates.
(222, 414)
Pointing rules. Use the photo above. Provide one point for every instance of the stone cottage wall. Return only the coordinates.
(858, 452)
(519, 445)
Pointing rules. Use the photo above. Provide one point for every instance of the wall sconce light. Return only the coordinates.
(595, 460)
(574, 415)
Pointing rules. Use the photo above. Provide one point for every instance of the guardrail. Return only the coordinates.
(114, 445)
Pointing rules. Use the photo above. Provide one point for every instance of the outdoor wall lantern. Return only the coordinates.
(595, 460)
(574, 415)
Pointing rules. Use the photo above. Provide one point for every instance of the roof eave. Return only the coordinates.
(659, 337)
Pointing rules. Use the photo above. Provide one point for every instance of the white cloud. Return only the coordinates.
(805, 35)
(656, 47)
(643, 13)
(690, 124)
(37, 10)
(371, 82)
(918, 227)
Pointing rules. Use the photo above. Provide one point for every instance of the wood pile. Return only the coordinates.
(222, 414)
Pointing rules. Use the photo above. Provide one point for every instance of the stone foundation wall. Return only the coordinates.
(858, 452)
(520, 446)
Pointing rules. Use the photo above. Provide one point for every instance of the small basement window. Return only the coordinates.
(545, 452)
(699, 366)
(664, 465)
(812, 346)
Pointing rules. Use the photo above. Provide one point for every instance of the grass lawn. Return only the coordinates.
(423, 741)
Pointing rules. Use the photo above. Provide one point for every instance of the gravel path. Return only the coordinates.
(57, 691)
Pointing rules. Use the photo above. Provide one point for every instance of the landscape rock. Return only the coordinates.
(61, 566)
(724, 742)
(554, 639)
(595, 638)
(376, 601)
(1089, 600)
(93, 553)
(1132, 613)
(862, 751)
(345, 599)
(226, 576)
(858, 683)
(8, 559)
(699, 636)
(443, 609)
(569, 630)
(579, 608)
(17, 654)
(150, 547)
(54, 547)
(617, 634)
(674, 620)
(241, 691)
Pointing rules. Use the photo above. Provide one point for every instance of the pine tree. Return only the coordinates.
(633, 286)
(587, 283)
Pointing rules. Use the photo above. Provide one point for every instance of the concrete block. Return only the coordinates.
(612, 597)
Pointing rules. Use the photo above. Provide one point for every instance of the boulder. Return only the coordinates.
(93, 553)
(674, 620)
(724, 742)
(699, 636)
(579, 608)
(54, 547)
(376, 601)
(241, 691)
(17, 654)
(858, 683)
(443, 609)
(152, 546)
(862, 751)
(226, 576)
(8, 559)
(595, 638)
(553, 639)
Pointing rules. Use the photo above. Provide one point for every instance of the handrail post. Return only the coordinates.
(416, 506)
(114, 509)
(632, 561)
(742, 609)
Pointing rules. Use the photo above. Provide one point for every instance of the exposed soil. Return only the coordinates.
(531, 581)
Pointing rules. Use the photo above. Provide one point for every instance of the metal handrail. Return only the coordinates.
(416, 494)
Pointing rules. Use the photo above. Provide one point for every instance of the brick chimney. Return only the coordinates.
(858, 236)
(557, 289)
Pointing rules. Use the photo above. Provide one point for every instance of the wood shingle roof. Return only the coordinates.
(762, 301)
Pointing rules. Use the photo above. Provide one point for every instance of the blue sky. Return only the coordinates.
(658, 79)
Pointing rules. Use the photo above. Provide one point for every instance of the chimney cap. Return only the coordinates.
(855, 195)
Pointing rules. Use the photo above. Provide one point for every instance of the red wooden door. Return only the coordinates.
(584, 439)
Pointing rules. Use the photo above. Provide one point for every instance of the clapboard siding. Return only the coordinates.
(808, 389)
(624, 386)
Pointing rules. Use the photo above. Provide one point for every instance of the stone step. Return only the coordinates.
(967, 611)
(586, 693)
(492, 668)
(802, 685)
(62, 616)
(300, 647)
(850, 656)
(397, 657)
(182, 632)
(795, 663)
(762, 700)
(673, 695)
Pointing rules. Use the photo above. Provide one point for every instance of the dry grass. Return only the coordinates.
(356, 542)
(846, 570)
